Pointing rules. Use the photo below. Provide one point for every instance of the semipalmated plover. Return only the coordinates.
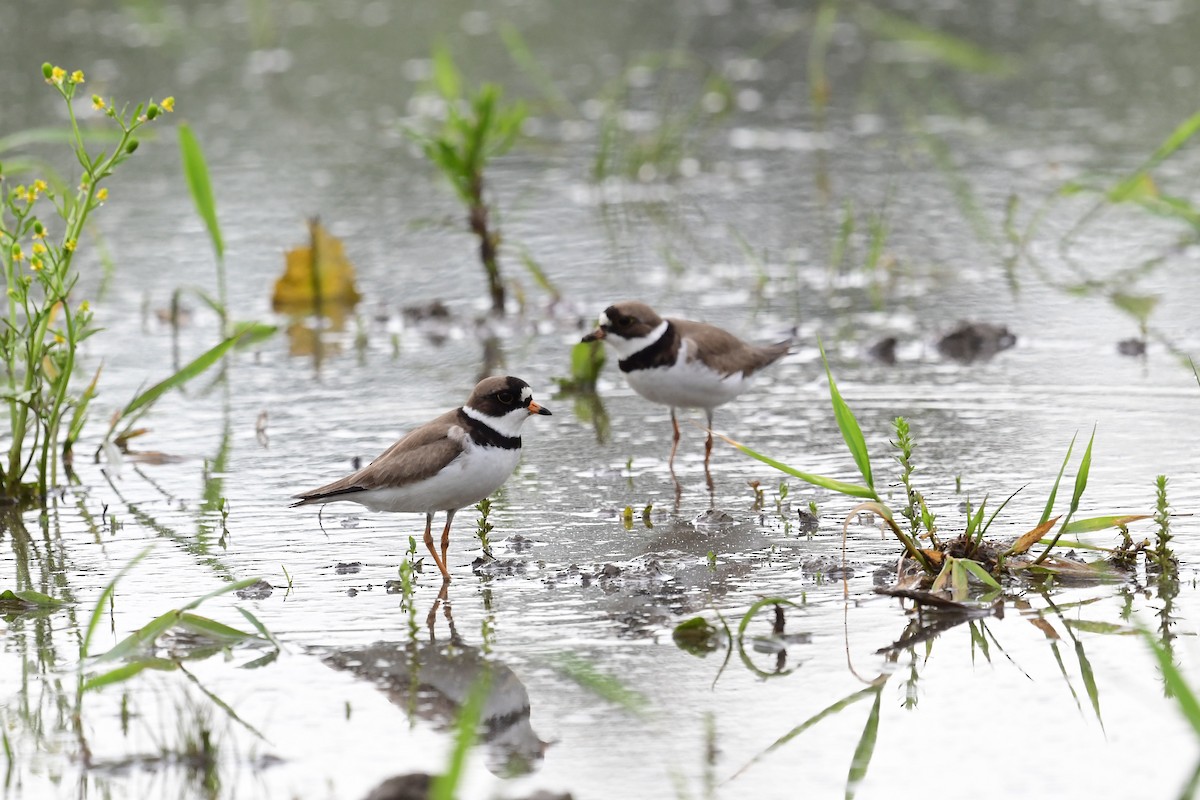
(448, 463)
(681, 363)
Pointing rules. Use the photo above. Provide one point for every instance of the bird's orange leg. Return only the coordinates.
(429, 546)
(446, 543)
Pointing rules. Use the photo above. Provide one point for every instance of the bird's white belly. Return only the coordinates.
(687, 384)
(465, 481)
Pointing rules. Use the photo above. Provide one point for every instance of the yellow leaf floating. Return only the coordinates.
(318, 277)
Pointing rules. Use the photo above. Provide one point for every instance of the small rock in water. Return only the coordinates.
(347, 569)
(519, 544)
(972, 341)
(884, 350)
(259, 590)
(714, 518)
(414, 786)
(1131, 347)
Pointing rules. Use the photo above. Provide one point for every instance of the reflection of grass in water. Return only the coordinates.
(604, 686)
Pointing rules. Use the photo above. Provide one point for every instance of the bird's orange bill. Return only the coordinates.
(595, 335)
(534, 408)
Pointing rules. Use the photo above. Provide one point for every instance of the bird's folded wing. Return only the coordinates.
(417, 456)
(725, 352)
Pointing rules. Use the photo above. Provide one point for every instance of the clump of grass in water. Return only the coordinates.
(969, 554)
(43, 327)
(138, 653)
(462, 148)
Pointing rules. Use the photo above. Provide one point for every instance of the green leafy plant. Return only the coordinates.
(477, 128)
(44, 324)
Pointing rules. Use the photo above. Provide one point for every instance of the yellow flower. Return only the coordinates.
(40, 185)
(69, 245)
(102, 195)
(168, 104)
(77, 76)
(97, 102)
(59, 339)
(39, 249)
(31, 195)
(36, 264)
(57, 75)
(17, 255)
(39, 235)
(85, 307)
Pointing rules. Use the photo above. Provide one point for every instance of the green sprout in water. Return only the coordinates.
(483, 527)
(476, 129)
(1162, 558)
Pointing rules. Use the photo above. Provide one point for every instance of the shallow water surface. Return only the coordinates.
(299, 107)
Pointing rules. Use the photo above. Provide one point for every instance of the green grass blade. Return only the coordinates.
(865, 748)
(127, 671)
(195, 169)
(142, 637)
(28, 597)
(977, 569)
(840, 705)
(186, 373)
(833, 485)
(446, 78)
(1081, 478)
(1183, 133)
(212, 629)
(1089, 680)
(1054, 491)
(105, 595)
(999, 509)
(1177, 685)
(260, 627)
(1100, 523)
(848, 425)
(226, 589)
(740, 640)
(445, 786)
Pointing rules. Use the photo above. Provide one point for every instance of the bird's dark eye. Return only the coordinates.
(505, 398)
(626, 322)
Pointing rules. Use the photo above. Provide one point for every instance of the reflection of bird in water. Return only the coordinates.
(433, 680)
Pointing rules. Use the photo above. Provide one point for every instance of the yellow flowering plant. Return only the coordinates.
(40, 229)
